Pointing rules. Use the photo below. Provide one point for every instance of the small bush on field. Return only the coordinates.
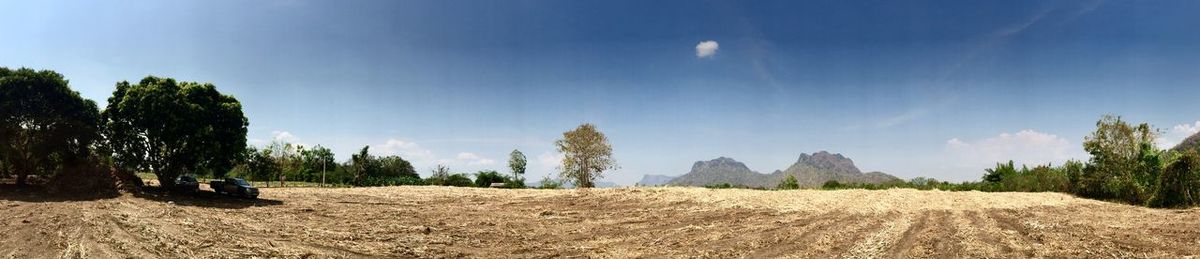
(460, 180)
(719, 186)
(486, 178)
(831, 184)
(392, 181)
(789, 183)
(549, 183)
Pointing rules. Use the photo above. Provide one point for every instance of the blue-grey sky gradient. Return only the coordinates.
(912, 88)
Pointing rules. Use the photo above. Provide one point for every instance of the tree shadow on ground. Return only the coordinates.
(202, 198)
(37, 193)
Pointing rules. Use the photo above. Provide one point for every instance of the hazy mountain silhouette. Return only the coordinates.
(809, 170)
(655, 179)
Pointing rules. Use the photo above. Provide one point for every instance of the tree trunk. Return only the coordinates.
(22, 178)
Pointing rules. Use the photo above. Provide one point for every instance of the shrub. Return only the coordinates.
(486, 178)
(719, 186)
(549, 183)
(1177, 186)
(831, 184)
(460, 180)
(512, 183)
(789, 183)
(392, 181)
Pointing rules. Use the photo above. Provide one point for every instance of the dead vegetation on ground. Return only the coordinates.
(629, 222)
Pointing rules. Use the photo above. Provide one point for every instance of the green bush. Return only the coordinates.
(460, 180)
(486, 178)
(549, 183)
(391, 181)
(1177, 186)
(789, 183)
(831, 184)
(512, 183)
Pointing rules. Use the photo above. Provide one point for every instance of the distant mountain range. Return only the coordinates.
(1190, 143)
(810, 171)
(654, 180)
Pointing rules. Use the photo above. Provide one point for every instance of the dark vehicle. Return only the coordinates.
(235, 187)
(187, 183)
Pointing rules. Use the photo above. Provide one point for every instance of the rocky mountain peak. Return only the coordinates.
(826, 160)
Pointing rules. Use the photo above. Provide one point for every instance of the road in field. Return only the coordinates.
(641, 222)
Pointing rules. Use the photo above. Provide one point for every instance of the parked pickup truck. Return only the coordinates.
(235, 187)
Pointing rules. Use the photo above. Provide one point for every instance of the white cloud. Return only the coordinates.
(423, 158)
(706, 49)
(473, 159)
(284, 136)
(408, 150)
(1176, 134)
(1024, 147)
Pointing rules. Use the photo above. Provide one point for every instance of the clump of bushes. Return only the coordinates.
(1125, 166)
(549, 183)
(486, 178)
(789, 183)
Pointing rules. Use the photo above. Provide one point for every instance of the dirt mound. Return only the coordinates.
(623, 222)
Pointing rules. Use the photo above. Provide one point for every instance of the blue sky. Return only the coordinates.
(912, 88)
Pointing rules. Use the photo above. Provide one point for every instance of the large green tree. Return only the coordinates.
(586, 154)
(395, 167)
(172, 128)
(44, 125)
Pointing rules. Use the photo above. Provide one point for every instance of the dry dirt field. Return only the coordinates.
(630, 222)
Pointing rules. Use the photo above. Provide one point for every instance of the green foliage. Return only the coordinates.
(486, 178)
(997, 174)
(516, 163)
(1179, 184)
(394, 166)
(586, 154)
(44, 125)
(170, 127)
(392, 181)
(789, 183)
(720, 186)
(549, 183)
(315, 160)
(1124, 163)
(460, 180)
(259, 165)
(831, 184)
(511, 183)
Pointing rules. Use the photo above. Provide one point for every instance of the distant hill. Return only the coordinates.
(654, 179)
(809, 170)
(1190, 143)
(720, 170)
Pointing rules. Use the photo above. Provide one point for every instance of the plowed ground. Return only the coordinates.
(629, 222)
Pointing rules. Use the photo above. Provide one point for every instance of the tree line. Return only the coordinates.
(1125, 165)
(172, 128)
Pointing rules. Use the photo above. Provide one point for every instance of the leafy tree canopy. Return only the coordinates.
(44, 125)
(170, 127)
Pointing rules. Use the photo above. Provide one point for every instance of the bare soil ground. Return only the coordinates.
(631, 222)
